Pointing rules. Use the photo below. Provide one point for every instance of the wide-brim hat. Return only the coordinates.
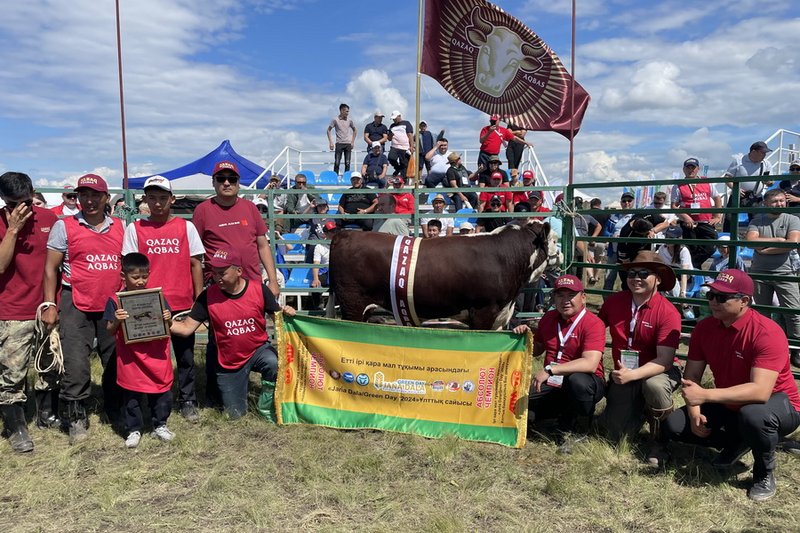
(652, 261)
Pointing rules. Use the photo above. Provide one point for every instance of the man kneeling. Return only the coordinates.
(571, 383)
(236, 309)
(755, 399)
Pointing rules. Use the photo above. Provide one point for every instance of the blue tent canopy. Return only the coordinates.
(197, 174)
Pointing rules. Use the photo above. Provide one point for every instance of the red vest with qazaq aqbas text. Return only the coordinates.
(143, 366)
(238, 324)
(700, 196)
(94, 262)
(167, 248)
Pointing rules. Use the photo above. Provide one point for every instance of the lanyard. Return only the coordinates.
(634, 320)
(562, 339)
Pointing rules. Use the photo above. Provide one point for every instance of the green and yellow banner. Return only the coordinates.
(429, 382)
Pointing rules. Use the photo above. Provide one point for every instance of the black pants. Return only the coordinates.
(78, 330)
(514, 152)
(347, 150)
(576, 397)
(213, 398)
(758, 425)
(483, 159)
(700, 253)
(160, 404)
(399, 160)
(184, 357)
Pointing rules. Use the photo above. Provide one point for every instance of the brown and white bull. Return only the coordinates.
(474, 279)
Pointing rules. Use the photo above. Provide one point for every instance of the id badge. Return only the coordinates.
(629, 359)
(695, 205)
(555, 381)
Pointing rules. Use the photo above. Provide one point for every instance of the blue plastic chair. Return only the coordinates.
(459, 220)
(328, 177)
(346, 177)
(695, 285)
(291, 248)
(299, 278)
(309, 176)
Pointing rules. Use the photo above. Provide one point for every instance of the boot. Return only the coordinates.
(266, 401)
(764, 486)
(47, 409)
(658, 455)
(78, 422)
(18, 438)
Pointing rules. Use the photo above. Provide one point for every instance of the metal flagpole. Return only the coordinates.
(572, 102)
(418, 143)
(122, 109)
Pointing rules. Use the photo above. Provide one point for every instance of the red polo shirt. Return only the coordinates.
(658, 323)
(753, 341)
(588, 335)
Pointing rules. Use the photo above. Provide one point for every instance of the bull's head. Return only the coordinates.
(501, 53)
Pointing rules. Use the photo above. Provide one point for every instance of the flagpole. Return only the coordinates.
(122, 105)
(572, 102)
(418, 142)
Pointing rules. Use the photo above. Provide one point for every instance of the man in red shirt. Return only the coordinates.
(404, 201)
(571, 382)
(492, 138)
(86, 248)
(484, 198)
(754, 400)
(235, 308)
(23, 248)
(645, 331)
(175, 252)
(69, 203)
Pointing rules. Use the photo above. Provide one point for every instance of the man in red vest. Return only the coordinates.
(86, 247)
(700, 225)
(235, 309)
(175, 251)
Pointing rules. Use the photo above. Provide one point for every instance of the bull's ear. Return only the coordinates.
(476, 37)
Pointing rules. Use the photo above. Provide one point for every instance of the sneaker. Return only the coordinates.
(78, 431)
(189, 412)
(728, 457)
(789, 446)
(763, 489)
(163, 434)
(133, 439)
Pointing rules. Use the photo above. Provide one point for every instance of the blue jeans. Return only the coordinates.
(233, 383)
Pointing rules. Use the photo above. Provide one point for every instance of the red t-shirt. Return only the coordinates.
(236, 227)
(658, 323)
(505, 196)
(167, 247)
(494, 141)
(753, 341)
(404, 203)
(588, 335)
(21, 289)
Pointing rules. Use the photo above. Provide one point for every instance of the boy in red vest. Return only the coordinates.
(142, 367)
(86, 248)
(235, 308)
(175, 252)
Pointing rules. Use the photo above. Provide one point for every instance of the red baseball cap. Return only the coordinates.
(330, 225)
(225, 165)
(568, 281)
(495, 117)
(92, 182)
(528, 174)
(732, 281)
(497, 176)
(224, 258)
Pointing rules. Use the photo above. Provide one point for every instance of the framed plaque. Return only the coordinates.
(146, 315)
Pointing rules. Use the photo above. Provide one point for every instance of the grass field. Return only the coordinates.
(251, 476)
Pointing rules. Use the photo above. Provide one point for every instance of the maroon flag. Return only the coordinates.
(489, 60)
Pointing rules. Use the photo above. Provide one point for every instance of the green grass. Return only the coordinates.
(249, 475)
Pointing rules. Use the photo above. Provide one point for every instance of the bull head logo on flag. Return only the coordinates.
(489, 60)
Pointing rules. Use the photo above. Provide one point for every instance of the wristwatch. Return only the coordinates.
(549, 369)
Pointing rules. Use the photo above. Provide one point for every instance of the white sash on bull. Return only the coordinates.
(401, 280)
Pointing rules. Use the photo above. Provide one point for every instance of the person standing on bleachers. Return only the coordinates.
(345, 137)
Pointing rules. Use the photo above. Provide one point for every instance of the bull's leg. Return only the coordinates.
(482, 317)
(354, 307)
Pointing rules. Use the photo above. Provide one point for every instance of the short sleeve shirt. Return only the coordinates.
(344, 130)
(492, 144)
(588, 336)
(400, 133)
(742, 166)
(770, 227)
(199, 310)
(753, 341)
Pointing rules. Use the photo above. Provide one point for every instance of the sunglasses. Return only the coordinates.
(722, 297)
(11, 205)
(71, 196)
(626, 201)
(233, 180)
(794, 169)
(641, 274)
(300, 182)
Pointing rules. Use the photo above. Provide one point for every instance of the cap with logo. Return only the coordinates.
(568, 281)
(329, 225)
(732, 281)
(528, 174)
(92, 182)
(497, 176)
(496, 200)
(224, 258)
(159, 182)
(626, 195)
(396, 179)
(225, 165)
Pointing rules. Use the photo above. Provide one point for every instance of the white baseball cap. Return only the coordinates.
(395, 114)
(159, 182)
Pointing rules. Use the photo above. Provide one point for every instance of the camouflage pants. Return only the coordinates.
(16, 349)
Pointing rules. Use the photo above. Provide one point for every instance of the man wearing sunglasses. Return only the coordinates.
(792, 186)
(23, 249)
(69, 203)
(700, 225)
(754, 400)
(645, 331)
(572, 340)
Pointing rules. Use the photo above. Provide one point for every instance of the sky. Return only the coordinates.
(668, 80)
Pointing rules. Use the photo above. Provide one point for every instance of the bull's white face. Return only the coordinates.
(498, 61)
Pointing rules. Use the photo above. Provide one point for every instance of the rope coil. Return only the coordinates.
(44, 339)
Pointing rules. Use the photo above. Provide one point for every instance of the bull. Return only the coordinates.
(501, 54)
(474, 279)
